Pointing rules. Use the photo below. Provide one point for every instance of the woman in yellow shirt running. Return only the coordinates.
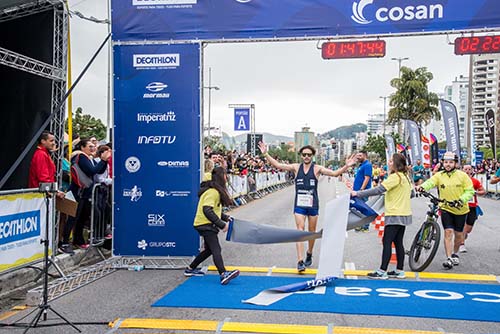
(398, 191)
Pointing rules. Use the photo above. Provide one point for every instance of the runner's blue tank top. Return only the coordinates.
(306, 188)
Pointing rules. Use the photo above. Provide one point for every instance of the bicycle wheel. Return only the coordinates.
(424, 246)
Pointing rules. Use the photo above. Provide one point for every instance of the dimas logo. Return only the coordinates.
(395, 14)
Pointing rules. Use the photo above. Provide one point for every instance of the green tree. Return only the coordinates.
(377, 144)
(283, 152)
(87, 126)
(412, 99)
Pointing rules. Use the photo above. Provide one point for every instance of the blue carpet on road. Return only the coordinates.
(402, 298)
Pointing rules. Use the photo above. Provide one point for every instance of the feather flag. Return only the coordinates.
(426, 152)
(434, 150)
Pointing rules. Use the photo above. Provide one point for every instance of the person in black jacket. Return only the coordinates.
(208, 221)
(83, 157)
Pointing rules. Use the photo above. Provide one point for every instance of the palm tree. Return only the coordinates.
(412, 99)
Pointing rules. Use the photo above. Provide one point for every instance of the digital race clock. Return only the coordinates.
(477, 45)
(353, 49)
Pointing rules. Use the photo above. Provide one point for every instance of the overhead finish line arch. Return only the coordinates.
(158, 90)
(215, 20)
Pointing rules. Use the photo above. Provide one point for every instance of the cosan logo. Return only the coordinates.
(156, 117)
(156, 140)
(395, 14)
(158, 60)
(174, 164)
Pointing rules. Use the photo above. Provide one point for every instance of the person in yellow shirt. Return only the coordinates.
(456, 187)
(209, 219)
(398, 191)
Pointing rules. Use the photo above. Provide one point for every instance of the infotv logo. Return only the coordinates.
(395, 14)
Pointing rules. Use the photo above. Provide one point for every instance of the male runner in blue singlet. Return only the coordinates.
(306, 205)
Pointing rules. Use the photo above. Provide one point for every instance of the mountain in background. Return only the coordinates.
(345, 132)
(269, 138)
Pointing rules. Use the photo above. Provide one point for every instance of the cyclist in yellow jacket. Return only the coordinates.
(454, 186)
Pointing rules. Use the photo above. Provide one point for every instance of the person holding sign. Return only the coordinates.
(306, 204)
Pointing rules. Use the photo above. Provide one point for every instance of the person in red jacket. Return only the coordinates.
(472, 215)
(42, 168)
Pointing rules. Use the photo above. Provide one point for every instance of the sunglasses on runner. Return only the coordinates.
(307, 155)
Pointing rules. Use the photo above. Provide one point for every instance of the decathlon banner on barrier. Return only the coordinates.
(22, 226)
(242, 19)
(157, 157)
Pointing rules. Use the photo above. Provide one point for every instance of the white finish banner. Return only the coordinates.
(22, 226)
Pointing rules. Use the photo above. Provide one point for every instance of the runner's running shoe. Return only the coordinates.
(397, 274)
(455, 259)
(309, 260)
(462, 249)
(448, 264)
(193, 272)
(226, 276)
(378, 274)
(301, 266)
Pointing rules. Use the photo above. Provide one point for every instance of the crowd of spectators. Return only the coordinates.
(243, 164)
(90, 163)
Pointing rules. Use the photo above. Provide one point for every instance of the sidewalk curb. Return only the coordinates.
(18, 282)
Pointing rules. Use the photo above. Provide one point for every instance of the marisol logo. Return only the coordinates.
(408, 13)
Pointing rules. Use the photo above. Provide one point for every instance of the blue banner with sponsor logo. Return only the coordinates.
(157, 156)
(242, 119)
(242, 19)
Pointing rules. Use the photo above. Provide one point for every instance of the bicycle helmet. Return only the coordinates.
(450, 156)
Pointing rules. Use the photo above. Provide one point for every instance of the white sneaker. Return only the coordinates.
(454, 259)
(462, 249)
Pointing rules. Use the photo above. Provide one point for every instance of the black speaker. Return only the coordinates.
(252, 143)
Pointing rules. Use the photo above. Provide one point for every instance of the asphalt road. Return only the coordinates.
(128, 294)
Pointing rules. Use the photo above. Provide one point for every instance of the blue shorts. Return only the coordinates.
(306, 211)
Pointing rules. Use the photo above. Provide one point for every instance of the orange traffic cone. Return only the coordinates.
(394, 259)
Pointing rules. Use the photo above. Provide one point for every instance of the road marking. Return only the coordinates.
(347, 272)
(15, 310)
(206, 325)
(350, 266)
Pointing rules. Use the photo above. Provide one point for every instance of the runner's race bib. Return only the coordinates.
(305, 200)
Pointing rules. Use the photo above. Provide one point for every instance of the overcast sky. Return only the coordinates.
(289, 83)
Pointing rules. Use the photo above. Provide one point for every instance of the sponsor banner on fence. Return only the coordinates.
(157, 161)
(237, 19)
(22, 226)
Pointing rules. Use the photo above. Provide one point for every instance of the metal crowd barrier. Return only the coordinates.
(243, 189)
(492, 190)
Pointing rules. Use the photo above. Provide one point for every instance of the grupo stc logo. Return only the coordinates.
(143, 244)
(384, 14)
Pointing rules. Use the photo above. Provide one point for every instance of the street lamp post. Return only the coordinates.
(400, 60)
(385, 98)
(210, 87)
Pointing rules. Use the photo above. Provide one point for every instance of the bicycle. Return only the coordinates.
(426, 242)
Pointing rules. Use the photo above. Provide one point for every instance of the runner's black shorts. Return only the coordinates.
(471, 216)
(451, 221)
